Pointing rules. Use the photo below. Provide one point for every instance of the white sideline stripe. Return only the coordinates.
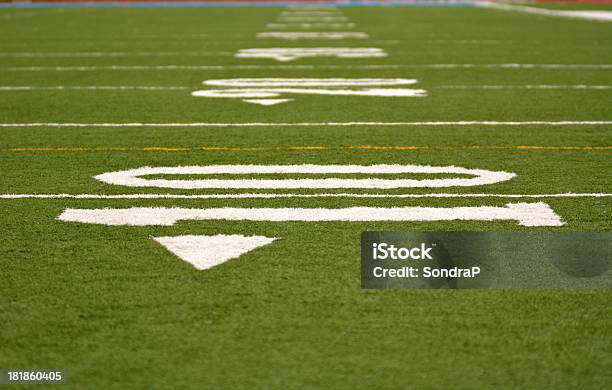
(132, 177)
(204, 252)
(526, 214)
(286, 195)
(601, 16)
(314, 124)
(313, 67)
(111, 54)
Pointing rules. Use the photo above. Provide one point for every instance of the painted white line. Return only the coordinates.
(131, 177)
(205, 252)
(183, 88)
(475, 41)
(602, 16)
(322, 19)
(597, 15)
(287, 195)
(301, 67)
(581, 86)
(314, 124)
(111, 54)
(294, 35)
(12, 88)
(311, 14)
(265, 88)
(94, 88)
(526, 214)
(310, 25)
(307, 7)
(294, 53)
(276, 92)
(306, 82)
(266, 102)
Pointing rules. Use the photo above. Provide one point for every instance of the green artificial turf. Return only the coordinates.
(116, 310)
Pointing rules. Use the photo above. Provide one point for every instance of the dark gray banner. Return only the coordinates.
(486, 260)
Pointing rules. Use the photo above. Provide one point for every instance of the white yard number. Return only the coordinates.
(266, 91)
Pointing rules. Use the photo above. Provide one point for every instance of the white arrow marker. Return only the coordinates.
(205, 252)
(266, 102)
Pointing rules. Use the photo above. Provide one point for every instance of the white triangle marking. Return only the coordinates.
(205, 252)
(267, 102)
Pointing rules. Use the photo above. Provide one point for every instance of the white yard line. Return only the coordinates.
(113, 54)
(314, 124)
(580, 86)
(287, 195)
(176, 87)
(304, 67)
(93, 88)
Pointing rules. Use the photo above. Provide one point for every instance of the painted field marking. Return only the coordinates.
(290, 53)
(15, 88)
(296, 35)
(308, 7)
(94, 88)
(323, 19)
(205, 252)
(299, 67)
(312, 124)
(596, 15)
(307, 82)
(310, 25)
(534, 86)
(311, 13)
(315, 148)
(113, 54)
(267, 102)
(526, 214)
(269, 89)
(290, 195)
(132, 177)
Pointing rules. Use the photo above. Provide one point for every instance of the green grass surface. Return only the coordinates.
(116, 310)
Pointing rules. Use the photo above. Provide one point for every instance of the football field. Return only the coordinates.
(183, 191)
